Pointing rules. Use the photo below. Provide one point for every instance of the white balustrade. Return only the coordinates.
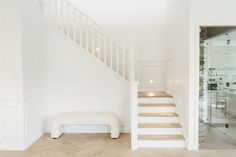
(66, 18)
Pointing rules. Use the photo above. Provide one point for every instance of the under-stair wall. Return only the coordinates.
(75, 81)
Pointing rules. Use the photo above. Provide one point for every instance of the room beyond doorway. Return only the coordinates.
(217, 88)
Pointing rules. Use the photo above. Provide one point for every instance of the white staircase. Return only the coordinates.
(154, 122)
(157, 123)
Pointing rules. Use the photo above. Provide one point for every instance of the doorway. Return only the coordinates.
(217, 88)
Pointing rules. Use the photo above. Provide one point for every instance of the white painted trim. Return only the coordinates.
(192, 139)
(134, 114)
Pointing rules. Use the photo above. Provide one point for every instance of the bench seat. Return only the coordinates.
(85, 118)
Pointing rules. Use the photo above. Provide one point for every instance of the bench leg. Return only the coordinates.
(115, 132)
(56, 133)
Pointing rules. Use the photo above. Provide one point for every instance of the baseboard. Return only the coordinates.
(33, 139)
(125, 130)
(24, 145)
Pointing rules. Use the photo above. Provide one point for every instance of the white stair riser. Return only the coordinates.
(159, 131)
(158, 119)
(155, 100)
(157, 109)
(161, 144)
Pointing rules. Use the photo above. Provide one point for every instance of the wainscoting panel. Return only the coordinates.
(151, 75)
(11, 124)
(34, 119)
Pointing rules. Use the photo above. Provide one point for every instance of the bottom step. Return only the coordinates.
(161, 141)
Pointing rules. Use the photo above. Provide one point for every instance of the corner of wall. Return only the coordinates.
(30, 140)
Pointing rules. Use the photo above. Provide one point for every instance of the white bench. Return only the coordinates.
(85, 118)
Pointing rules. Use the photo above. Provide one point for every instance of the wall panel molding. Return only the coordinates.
(11, 124)
(148, 70)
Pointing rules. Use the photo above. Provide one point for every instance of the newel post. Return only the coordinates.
(133, 100)
(134, 114)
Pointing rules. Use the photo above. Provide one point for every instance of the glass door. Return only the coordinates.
(221, 83)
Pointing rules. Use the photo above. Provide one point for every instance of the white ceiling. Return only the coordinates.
(124, 12)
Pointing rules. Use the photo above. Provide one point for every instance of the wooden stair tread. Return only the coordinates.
(157, 105)
(158, 115)
(161, 137)
(159, 125)
(154, 95)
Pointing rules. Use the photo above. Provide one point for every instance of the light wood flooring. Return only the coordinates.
(100, 145)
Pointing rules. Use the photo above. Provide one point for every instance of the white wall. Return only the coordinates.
(74, 81)
(123, 13)
(149, 48)
(183, 21)
(32, 71)
(177, 55)
(141, 23)
(203, 13)
(58, 73)
(20, 108)
(11, 93)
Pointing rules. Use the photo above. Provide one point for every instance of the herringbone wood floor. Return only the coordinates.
(100, 145)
